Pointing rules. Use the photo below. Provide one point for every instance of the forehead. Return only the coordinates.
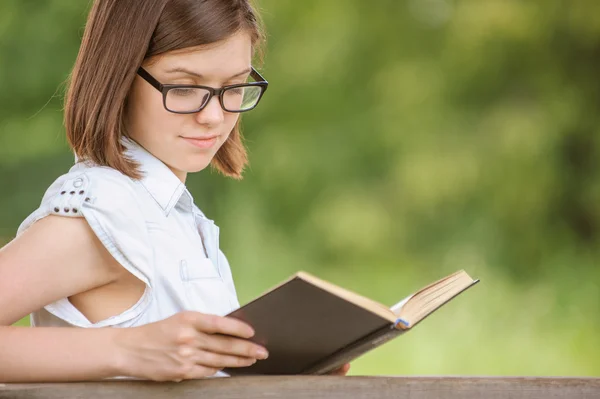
(230, 55)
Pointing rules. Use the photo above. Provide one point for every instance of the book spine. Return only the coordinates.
(352, 351)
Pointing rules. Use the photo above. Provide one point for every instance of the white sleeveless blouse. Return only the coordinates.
(154, 230)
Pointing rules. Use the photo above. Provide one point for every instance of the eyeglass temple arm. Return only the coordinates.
(257, 76)
(150, 79)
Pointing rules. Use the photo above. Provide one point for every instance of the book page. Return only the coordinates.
(430, 298)
(397, 307)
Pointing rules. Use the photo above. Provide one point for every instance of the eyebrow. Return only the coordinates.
(187, 71)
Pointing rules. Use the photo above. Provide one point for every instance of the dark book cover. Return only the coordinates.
(300, 321)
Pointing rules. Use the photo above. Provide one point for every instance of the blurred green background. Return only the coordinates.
(399, 141)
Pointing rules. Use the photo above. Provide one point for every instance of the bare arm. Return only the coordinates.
(55, 258)
(56, 354)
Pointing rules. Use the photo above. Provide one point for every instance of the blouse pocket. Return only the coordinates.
(199, 269)
(204, 287)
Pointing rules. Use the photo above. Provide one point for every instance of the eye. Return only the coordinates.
(236, 90)
(182, 92)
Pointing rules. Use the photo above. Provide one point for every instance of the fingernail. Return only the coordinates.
(262, 354)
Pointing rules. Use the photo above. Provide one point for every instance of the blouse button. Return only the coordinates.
(78, 182)
(66, 210)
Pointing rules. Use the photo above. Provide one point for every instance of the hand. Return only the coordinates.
(187, 345)
(342, 371)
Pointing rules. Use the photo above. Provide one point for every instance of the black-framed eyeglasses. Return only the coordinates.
(189, 99)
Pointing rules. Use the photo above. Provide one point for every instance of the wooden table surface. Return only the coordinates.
(290, 387)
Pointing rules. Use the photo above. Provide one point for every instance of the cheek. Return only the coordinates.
(228, 125)
(146, 109)
(230, 121)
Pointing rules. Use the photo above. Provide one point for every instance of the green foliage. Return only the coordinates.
(398, 141)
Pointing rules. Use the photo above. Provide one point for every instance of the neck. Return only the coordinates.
(180, 174)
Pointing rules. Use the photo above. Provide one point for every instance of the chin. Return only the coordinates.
(197, 167)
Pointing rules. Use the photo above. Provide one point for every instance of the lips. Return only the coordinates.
(202, 137)
(203, 142)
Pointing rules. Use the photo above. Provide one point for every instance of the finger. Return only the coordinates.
(220, 361)
(342, 371)
(213, 324)
(232, 346)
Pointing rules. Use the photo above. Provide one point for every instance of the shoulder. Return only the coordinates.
(93, 187)
(92, 183)
(101, 191)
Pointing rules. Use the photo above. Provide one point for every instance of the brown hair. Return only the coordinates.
(119, 36)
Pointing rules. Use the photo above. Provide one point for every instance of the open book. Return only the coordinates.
(311, 326)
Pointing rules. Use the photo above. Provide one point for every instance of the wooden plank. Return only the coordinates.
(309, 387)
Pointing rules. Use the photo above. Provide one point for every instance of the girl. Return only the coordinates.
(156, 93)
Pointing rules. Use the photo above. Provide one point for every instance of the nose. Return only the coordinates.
(212, 114)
